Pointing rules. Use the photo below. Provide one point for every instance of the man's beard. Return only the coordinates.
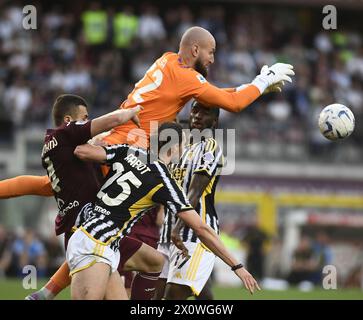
(201, 68)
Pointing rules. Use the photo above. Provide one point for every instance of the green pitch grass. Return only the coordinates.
(12, 289)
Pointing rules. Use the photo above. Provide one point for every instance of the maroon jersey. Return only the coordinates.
(146, 229)
(75, 183)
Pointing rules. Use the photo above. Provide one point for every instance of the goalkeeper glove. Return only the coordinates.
(272, 78)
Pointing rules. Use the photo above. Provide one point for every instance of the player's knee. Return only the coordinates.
(84, 293)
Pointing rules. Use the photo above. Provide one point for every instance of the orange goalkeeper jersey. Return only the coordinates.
(166, 87)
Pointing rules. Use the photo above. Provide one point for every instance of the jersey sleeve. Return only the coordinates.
(233, 101)
(211, 159)
(115, 152)
(78, 132)
(171, 195)
(192, 84)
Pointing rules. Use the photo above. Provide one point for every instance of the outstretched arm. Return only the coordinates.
(270, 79)
(114, 119)
(25, 185)
(233, 101)
(272, 88)
(207, 235)
(88, 152)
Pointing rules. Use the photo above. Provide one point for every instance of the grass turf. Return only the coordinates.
(12, 289)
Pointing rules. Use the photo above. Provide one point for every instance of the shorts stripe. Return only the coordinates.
(95, 250)
(194, 264)
(192, 260)
(99, 250)
(197, 264)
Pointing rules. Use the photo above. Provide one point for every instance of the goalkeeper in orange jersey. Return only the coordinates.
(175, 78)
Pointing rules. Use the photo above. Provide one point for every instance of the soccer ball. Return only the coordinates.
(336, 121)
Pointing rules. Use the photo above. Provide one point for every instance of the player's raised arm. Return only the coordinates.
(88, 152)
(114, 119)
(277, 87)
(208, 236)
(243, 96)
(102, 154)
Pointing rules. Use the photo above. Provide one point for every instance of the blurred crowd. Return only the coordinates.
(307, 261)
(24, 248)
(100, 51)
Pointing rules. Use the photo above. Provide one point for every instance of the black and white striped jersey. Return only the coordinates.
(132, 187)
(204, 157)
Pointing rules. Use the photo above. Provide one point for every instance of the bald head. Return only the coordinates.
(196, 48)
(196, 35)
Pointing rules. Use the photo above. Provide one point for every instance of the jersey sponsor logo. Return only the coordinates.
(179, 174)
(70, 206)
(201, 78)
(49, 146)
(102, 210)
(84, 214)
(208, 157)
(60, 203)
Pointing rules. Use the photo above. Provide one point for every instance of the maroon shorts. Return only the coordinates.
(152, 242)
(129, 276)
(146, 229)
(135, 244)
(128, 247)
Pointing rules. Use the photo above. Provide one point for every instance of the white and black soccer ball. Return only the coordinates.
(336, 121)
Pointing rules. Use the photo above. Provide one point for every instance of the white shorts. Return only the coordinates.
(164, 249)
(83, 252)
(196, 271)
